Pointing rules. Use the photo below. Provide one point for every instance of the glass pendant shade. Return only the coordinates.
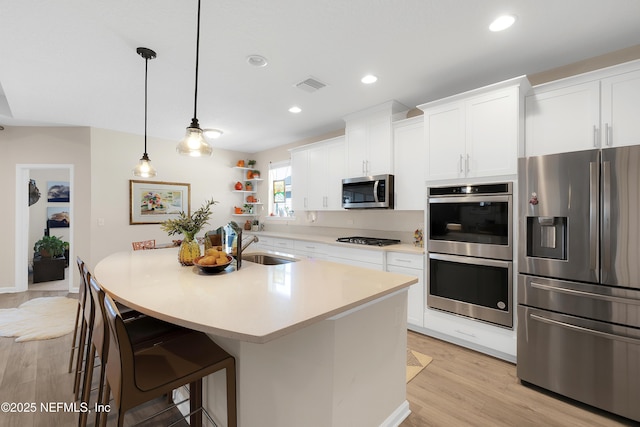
(193, 144)
(144, 168)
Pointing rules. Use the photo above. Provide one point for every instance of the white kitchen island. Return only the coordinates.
(316, 343)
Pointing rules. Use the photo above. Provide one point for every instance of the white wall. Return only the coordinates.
(42, 145)
(113, 157)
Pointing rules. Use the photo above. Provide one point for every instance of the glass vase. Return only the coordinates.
(189, 251)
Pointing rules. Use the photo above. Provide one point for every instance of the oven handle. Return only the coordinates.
(470, 199)
(375, 190)
(585, 330)
(471, 260)
(608, 298)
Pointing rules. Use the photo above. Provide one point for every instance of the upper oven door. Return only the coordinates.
(480, 226)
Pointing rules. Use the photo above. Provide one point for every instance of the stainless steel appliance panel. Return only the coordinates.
(474, 287)
(559, 202)
(620, 257)
(603, 303)
(594, 362)
(368, 192)
(470, 221)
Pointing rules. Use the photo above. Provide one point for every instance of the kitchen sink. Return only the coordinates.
(266, 259)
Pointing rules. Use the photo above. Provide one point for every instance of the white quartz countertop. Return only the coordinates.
(329, 240)
(257, 303)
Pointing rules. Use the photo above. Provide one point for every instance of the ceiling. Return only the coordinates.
(74, 62)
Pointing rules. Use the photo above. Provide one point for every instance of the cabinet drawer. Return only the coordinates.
(362, 255)
(307, 247)
(282, 244)
(405, 260)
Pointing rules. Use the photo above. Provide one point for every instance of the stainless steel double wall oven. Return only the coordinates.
(470, 245)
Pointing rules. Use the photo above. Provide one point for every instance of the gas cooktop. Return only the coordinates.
(371, 241)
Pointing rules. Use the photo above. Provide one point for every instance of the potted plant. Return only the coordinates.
(256, 174)
(248, 186)
(50, 247)
(248, 209)
(189, 226)
(251, 164)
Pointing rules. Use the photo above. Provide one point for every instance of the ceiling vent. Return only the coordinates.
(310, 85)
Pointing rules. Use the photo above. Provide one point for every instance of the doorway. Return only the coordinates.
(50, 215)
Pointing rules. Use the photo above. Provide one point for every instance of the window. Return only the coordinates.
(280, 189)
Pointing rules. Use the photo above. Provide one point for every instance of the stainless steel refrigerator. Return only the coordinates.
(579, 276)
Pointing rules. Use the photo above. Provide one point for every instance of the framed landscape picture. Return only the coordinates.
(58, 217)
(153, 202)
(57, 191)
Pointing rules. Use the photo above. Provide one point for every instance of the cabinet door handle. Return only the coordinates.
(460, 163)
(466, 164)
(363, 168)
(607, 134)
(595, 136)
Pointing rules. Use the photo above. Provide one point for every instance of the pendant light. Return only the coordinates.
(144, 168)
(193, 144)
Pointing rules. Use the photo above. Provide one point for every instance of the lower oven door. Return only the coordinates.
(474, 287)
(594, 362)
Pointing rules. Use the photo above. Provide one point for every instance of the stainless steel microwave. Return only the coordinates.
(368, 192)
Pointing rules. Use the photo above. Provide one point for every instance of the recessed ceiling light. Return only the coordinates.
(502, 22)
(212, 133)
(295, 109)
(368, 79)
(257, 60)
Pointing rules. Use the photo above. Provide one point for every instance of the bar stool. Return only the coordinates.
(81, 301)
(138, 375)
(144, 244)
(144, 330)
(84, 317)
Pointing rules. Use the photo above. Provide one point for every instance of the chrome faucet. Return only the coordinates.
(246, 245)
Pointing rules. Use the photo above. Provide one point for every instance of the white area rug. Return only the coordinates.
(39, 319)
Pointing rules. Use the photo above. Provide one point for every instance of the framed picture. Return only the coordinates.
(153, 202)
(58, 217)
(57, 191)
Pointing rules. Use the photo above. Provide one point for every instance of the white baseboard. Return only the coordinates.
(397, 416)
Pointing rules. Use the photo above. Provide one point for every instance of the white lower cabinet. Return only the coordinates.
(366, 258)
(310, 250)
(413, 265)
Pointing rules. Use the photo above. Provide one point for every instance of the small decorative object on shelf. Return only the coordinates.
(248, 186)
(247, 225)
(237, 210)
(248, 209)
(251, 163)
(238, 186)
(417, 237)
(240, 163)
(256, 174)
(189, 226)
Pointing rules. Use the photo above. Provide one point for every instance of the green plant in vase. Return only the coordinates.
(189, 226)
(50, 247)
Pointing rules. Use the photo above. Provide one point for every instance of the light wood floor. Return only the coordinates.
(459, 388)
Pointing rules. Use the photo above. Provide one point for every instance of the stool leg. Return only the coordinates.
(232, 415)
(73, 342)
(195, 402)
(79, 356)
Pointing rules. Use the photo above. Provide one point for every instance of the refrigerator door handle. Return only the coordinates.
(606, 220)
(577, 328)
(593, 218)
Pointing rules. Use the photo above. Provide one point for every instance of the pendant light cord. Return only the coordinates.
(195, 97)
(146, 72)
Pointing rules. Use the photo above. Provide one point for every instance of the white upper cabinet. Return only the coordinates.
(477, 133)
(594, 110)
(299, 180)
(562, 120)
(409, 155)
(316, 175)
(621, 110)
(369, 140)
